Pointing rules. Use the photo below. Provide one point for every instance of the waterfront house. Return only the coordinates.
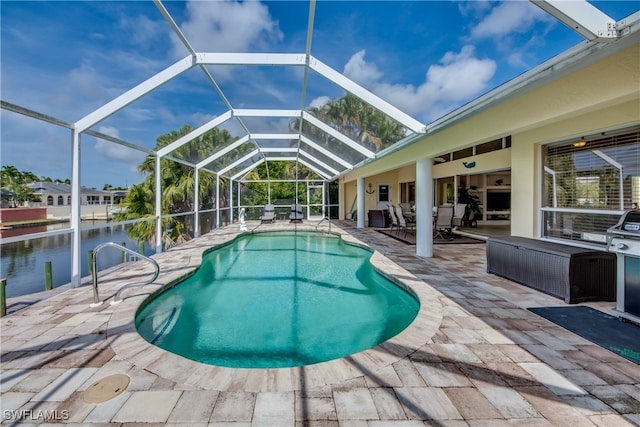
(59, 194)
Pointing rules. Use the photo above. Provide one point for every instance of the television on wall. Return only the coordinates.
(498, 201)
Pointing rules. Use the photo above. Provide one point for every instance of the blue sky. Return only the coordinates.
(66, 59)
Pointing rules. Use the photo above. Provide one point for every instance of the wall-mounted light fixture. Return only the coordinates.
(370, 189)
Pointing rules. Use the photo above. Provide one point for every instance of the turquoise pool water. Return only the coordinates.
(278, 299)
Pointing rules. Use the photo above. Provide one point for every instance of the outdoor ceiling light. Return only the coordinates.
(580, 143)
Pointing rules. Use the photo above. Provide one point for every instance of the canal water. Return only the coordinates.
(23, 263)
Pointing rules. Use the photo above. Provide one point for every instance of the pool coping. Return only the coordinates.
(175, 264)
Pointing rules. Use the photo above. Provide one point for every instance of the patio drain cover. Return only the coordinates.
(106, 388)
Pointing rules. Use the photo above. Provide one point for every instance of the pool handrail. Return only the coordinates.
(328, 218)
(94, 271)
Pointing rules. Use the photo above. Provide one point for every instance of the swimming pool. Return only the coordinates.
(278, 299)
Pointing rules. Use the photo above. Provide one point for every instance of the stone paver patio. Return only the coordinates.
(474, 357)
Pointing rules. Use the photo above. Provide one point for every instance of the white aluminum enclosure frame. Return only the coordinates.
(579, 15)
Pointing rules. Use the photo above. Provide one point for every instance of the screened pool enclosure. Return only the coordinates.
(245, 155)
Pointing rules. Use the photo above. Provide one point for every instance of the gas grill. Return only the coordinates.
(625, 243)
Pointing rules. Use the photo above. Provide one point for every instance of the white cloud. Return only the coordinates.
(319, 101)
(226, 26)
(142, 30)
(456, 79)
(88, 81)
(509, 17)
(115, 151)
(360, 71)
(200, 118)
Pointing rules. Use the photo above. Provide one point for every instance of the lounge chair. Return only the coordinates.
(296, 213)
(268, 214)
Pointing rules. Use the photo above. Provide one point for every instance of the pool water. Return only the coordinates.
(278, 299)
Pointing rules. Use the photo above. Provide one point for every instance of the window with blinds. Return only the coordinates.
(587, 183)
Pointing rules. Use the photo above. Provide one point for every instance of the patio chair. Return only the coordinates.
(403, 224)
(442, 227)
(394, 219)
(296, 213)
(406, 207)
(458, 214)
(407, 213)
(268, 213)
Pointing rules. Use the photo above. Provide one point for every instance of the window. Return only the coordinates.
(407, 192)
(60, 200)
(49, 200)
(93, 200)
(383, 193)
(490, 146)
(461, 154)
(68, 200)
(587, 191)
(587, 182)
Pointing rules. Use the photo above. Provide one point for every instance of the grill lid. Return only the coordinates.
(628, 225)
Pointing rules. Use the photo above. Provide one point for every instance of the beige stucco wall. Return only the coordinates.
(597, 98)
(526, 157)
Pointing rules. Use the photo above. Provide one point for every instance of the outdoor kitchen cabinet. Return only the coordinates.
(378, 218)
(567, 272)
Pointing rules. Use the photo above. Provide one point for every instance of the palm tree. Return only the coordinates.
(14, 180)
(177, 183)
(10, 175)
(355, 119)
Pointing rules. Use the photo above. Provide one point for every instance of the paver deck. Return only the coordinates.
(474, 357)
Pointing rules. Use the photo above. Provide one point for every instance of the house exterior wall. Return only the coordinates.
(604, 95)
(22, 214)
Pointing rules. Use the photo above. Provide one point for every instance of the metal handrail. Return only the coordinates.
(328, 218)
(94, 273)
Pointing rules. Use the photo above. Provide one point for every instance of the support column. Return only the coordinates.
(424, 208)
(158, 193)
(196, 203)
(360, 211)
(76, 199)
(238, 204)
(325, 210)
(217, 201)
(230, 184)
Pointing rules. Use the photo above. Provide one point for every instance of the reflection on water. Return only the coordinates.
(21, 231)
(23, 262)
